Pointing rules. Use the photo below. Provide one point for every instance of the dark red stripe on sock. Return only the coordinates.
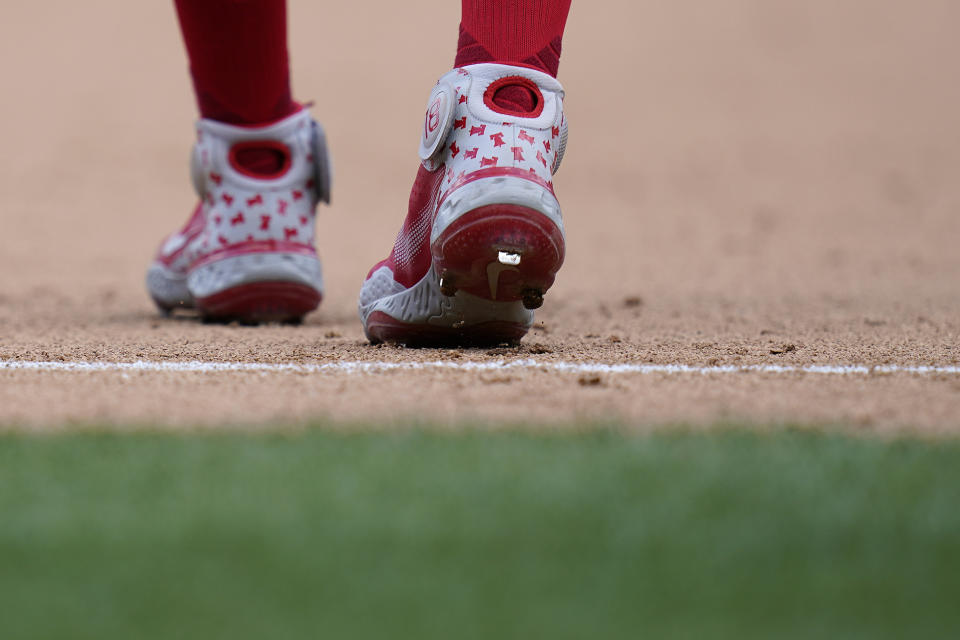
(512, 31)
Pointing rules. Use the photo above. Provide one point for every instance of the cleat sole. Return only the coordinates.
(381, 327)
(260, 302)
(500, 252)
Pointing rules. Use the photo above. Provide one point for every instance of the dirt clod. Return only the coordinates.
(590, 381)
(787, 348)
(537, 349)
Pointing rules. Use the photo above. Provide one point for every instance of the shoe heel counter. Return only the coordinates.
(242, 207)
(485, 138)
(497, 186)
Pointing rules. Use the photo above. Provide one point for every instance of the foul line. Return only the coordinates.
(448, 365)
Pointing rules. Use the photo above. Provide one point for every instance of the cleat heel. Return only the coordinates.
(499, 253)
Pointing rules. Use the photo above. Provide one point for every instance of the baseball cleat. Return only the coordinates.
(483, 238)
(247, 253)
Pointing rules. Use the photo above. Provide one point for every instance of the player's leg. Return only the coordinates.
(238, 59)
(483, 238)
(528, 32)
(259, 166)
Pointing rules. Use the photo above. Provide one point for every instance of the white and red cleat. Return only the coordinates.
(247, 253)
(483, 238)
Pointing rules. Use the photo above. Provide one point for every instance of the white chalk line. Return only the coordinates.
(357, 367)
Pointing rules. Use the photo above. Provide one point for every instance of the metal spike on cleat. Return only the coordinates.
(509, 258)
(532, 298)
(447, 285)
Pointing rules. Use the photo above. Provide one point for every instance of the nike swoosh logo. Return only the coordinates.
(494, 269)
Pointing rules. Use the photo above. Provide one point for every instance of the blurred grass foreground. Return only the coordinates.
(730, 534)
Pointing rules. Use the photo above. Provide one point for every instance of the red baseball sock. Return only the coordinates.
(238, 58)
(512, 31)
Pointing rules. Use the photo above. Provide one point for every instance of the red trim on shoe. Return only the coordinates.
(193, 228)
(256, 246)
(409, 260)
(381, 327)
(383, 263)
(261, 302)
(494, 172)
(526, 83)
(269, 145)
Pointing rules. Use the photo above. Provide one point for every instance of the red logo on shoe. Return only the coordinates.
(472, 153)
(258, 199)
(216, 178)
(227, 198)
(281, 207)
(517, 153)
(264, 223)
(546, 145)
(542, 160)
(237, 219)
(488, 162)
(454, 149)
(526, 137)
(289, 232)
(497, 139)
(432, 120)
(478, 131)
(555, 131)
(297, 195)
(461, 123)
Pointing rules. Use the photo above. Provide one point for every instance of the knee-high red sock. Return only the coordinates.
(238, 58)
(510, 31)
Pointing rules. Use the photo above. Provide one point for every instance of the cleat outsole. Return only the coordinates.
(259, 303)
(383, 328)
(499, 252)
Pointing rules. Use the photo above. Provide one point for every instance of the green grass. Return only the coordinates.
(418, 535)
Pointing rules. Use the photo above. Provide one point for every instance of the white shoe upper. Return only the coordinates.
(471, 136)
(242, 212)
(242, 207)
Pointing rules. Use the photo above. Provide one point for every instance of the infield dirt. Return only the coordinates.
(746, 183)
